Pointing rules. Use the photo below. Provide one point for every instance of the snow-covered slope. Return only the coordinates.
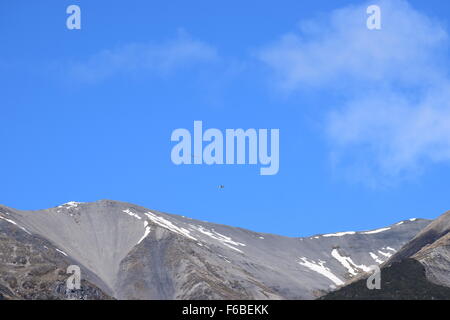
(139, 253)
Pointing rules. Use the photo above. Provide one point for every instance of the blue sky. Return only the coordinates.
(363, 115)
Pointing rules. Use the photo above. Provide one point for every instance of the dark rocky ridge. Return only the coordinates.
(419, 271)
(402, 280)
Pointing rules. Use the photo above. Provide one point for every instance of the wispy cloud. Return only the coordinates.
(154, 58)
(395, 118)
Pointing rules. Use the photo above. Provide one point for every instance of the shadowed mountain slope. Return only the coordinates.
(419, 270)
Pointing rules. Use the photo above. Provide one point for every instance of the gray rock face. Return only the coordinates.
(402, 280)
(431, 247)
(131, 252)
(418, 271)
(31, 268)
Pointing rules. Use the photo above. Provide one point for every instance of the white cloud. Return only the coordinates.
(387, 135)
(341, 47)
(395, 117)
(160, 59)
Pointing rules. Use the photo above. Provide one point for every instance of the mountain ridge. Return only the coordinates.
(220, 223)
(422, 264)
(140, 253)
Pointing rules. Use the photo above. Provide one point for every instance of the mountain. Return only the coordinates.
(419, 270)
(431, 247)
(129, 252)
(32, 268)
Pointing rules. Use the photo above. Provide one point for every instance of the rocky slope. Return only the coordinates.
(31, 268)
(130, 252)
(431, 247)
(420, 270)
(403, 280)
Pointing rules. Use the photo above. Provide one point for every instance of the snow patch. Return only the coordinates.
(169, 225)
(14, 223)
(226, 241)
(338, 234)
(70, 205)
(376, 231)
(146, 231)
(132, 214)
(62, 252)
(348, 263)
(320, 268)
(224, 258)
(386, 254)
(376, 258)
